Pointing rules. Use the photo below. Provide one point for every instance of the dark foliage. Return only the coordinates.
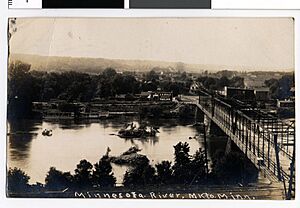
(213, 83)
(199, 167)
(103, 175)
(182, 163)
(21, 90)
(139, 175)
(17, 180)
(58, 180)
(164, 173)
(280, 88)
(83, 174)
(231, 168)
(189, 169)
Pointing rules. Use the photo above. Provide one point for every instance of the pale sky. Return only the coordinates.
(253, 42)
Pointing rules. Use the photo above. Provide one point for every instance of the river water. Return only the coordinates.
(73, 141)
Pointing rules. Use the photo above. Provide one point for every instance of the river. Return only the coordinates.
(73, 141)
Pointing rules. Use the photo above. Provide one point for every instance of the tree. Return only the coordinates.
(17, 181)
(58, 180)
(21, 90)
(222, 82)
(210, 83)
(103, 175)
(109, 73)
(83, 176)
(280, 88)
(140, 175)
(149, 86)
(198, 167)
(152, 76)
(164, 172)
(182, 165)
(124, 84)
(237, 82)
(273, 85)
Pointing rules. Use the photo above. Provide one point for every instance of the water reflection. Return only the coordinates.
(21, 134)
(75, 140)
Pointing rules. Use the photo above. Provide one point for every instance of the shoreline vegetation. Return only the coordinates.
(26, 86)
(185, 171)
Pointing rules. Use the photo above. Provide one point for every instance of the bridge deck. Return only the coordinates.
(268, 143)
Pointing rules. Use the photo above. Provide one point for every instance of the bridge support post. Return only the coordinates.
(212, 127)
(199, 115)
(205, 149)
(207, 123)
(277, 157)
(228, 146)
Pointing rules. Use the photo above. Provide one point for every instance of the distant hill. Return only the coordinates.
(97, 65)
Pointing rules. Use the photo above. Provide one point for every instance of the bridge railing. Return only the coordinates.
(266, 140)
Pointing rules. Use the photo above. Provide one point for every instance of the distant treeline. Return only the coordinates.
(231, 168)
(213, 83)
(281, 88)
(26, 86)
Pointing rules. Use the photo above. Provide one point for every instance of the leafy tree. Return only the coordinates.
(83, 174)
(141, 174)
(21, 90)
(152, 76)
(222, 82)
(164, 172)
(149, 86)
(124, 84)
(58, 180)
(280, 89)
(210, 83)
(213, 83)
(199, 167)
(17, 181)
(182, 165)
(103, 175)
(106, 89)
(273, 85)
(237, 82)
(109, 73)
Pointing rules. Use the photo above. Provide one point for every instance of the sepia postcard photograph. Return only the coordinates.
(151, 108)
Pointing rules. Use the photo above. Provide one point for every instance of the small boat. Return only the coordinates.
(47, 132)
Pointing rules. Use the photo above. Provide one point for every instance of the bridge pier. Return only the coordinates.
(212, 128)
(228, 146)
(199, 115)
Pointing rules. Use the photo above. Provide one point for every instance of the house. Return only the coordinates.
(262, 94)
(285, 103)
(241, 94)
